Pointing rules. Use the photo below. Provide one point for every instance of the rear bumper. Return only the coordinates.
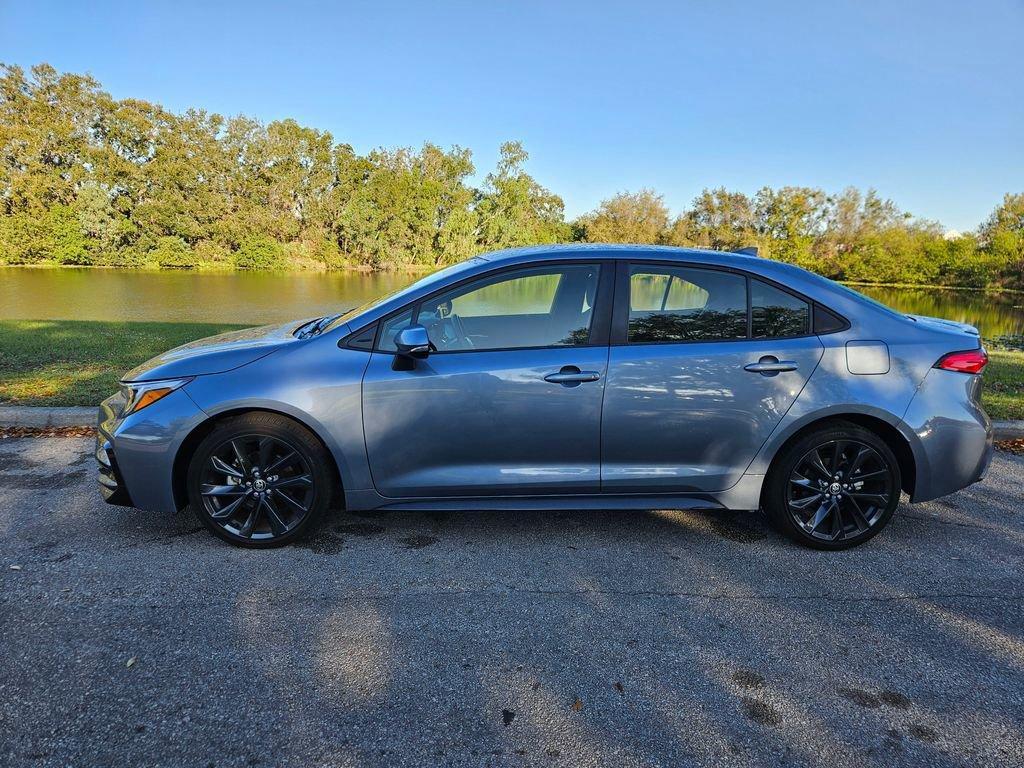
(953, 445)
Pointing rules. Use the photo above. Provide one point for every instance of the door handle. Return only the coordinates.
(570, 375)
(769, 365)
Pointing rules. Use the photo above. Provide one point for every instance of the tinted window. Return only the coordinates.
(536, 307)
(775, 313)
(827, 321)
(685, 304)
(390, 328)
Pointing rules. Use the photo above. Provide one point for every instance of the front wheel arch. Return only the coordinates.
(188, 446)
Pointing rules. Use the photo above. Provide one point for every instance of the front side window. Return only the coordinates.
(390, 328)
(777, 314)
(535, 307)
(675, 304)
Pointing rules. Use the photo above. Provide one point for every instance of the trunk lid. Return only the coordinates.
(942, 324)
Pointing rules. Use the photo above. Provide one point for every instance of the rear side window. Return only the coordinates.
(776, 313)
(669, 304)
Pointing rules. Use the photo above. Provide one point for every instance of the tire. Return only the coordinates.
(805, 500)
(260, 480)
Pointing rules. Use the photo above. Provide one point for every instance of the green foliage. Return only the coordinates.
(259, 253)
(628, 218)
(89, 179)
(849, 236)
(172, 253)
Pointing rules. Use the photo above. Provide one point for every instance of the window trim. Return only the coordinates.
(599, 324)
(620, 313)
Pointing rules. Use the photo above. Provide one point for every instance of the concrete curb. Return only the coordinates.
(42, 416)
(1008, 430)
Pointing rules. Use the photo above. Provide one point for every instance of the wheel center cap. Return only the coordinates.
(259, 485)
(835, 488)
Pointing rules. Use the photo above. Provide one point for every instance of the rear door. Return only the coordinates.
(704, 363)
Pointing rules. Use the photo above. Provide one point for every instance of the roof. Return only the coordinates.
(618, 250)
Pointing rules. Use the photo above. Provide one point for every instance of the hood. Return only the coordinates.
(216, 354)
(941, 324)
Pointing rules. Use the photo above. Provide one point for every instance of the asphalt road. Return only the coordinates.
(576, 639)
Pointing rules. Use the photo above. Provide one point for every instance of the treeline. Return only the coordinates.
(86, 179)
(849, 236)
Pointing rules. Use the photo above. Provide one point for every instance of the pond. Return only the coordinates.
(239, 297)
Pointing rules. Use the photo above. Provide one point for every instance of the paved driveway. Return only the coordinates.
(130, 638)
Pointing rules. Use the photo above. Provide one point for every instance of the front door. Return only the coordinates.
(510, 401)
(697, 381)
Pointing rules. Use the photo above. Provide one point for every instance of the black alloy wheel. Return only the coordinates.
(259, 480)
(839, 490)
(257, 487)
(834, 488)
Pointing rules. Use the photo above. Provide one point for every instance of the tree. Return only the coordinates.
(722, 220)
(788, 223)
(89, 179)
(514, 209)
(639, 217)
(1002, 235)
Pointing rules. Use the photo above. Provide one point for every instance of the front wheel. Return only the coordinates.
(259, 480)
(834, 488)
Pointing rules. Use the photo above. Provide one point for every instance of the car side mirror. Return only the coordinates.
(413, 341)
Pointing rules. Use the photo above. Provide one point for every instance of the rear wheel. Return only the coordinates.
(259, 480)
(834, 488)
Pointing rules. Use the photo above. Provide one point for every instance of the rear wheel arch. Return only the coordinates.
(888, 433)
(195, 437)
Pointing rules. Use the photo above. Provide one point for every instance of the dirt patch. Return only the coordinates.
(924, 733)
(894, 699)
(1011, 446)
(746, 678)
(760, 712)
(6, 432)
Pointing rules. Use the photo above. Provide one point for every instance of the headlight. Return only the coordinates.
(139, 394)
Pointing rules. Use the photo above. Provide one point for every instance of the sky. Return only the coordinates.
(924, 101)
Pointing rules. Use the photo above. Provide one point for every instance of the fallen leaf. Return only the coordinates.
(577, 705)
(619, 687)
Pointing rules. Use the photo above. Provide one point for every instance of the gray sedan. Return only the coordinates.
(562, 377)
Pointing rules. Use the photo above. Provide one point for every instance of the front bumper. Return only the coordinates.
(135, 454)
(111, 482)
(112, 486)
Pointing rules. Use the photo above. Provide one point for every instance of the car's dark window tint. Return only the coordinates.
(363, 338)
(390, 329)
(776, 313)
(685, 304)
(533, 307)
(827, 321)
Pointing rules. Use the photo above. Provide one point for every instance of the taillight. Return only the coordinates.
(968, 361)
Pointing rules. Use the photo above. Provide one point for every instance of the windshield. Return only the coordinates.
(422, 282)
